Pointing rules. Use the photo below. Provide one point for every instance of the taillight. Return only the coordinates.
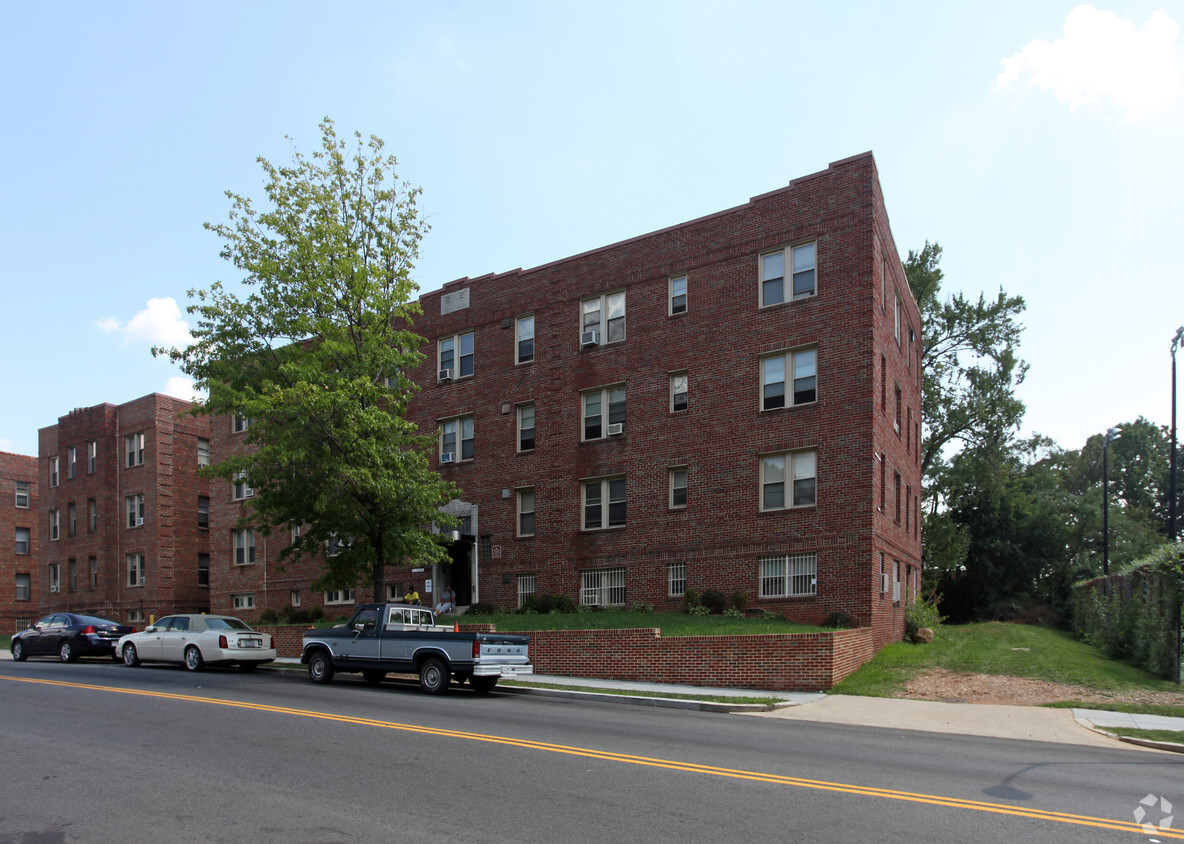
(476, 648)
(88, 630)
(222, 643)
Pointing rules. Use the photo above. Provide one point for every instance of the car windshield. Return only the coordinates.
(94, 619)
(216, 623)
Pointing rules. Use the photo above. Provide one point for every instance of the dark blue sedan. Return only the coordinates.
(68, 636)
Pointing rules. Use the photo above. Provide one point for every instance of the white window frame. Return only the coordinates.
(457, 433)
(241, 489)
(607, 414)
(55, 525)
(136, 573)
(339, 596)
(789, 256)
(93, 566)
(799, 374)
(896, 316)
(71, 519)
(134, 447)
(604, 314)
(457, 358)
(203, 570)
(787, 475)
(602, 587)
(294, 597)
(609, 491)
(135, 510)
(525, 505)
(678, 294)
(54, 466)
(243, 544)
(788, 576)
(203, 509)
(28, 541)
(24, 586)
(676, 579)
(243, 601)
(523, 333)
(72, 461)
(92, 514)
(526, 412)
(527, 585)
(680, 385)
(55, 577)
(92, 457)
(23, 495)
(678, 481)
(203, 451)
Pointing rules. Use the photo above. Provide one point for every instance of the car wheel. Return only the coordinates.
(18, 651)
(130, 658)
(193, 660)
(66, 652)
(433, 676)
(320, 667)
(248, 666)
(373, 676)
(483, 685)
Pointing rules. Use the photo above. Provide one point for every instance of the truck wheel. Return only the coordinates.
(433, 676)
(373, 676)
(320, 667)
(483, 685)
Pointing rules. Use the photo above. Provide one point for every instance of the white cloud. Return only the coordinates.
(181, 387)
(159, 324)
(1104, 60)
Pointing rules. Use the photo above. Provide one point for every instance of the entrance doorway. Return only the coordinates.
(459, 573)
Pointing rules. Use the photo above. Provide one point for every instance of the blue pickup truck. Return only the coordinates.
(405, 639)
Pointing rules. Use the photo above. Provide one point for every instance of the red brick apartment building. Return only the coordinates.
(18, 554)
(124, 517)
(731, 403)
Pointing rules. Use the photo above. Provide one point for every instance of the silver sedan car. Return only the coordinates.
(196, 641)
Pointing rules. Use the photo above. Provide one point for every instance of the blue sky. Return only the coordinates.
(1038, 142)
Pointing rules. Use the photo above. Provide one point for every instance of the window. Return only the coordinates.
(524, 337)
(334, 546)
(456, 356)
(295, 533)
(896, 481)
(896, 317)
(678, 487)
(676, 579)
(24, 587)
(678, 295)
(239, 424)
(883, 574)
(604, 503)
(803, 363)
(135, 570)
(92, 515)
(203, 569)
(244, 601)
(244, 546)
(772, 274)
(678, 392)
(526, 512)
(896, 418)
(72, 576)
(339, 596)
(92, 457)
(135, 510)
(883, 479)
(594, 404)
(605, 317)
(135, 449)
(22, 495)
(526, 427)
(22, 540)
(789, 576)
(294, 597)
(71, 519)
(526, 587)
(896, 581)
(203, 511)
(908, 432)
(241, 488)
(53, 471)
(795, 473)
(93, 564)
(203, 451)
(72, 462)
(908, 505)
(55, 577)
(602, 587)
(54, 524)
(450, 430)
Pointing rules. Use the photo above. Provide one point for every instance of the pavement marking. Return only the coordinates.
(669, 764)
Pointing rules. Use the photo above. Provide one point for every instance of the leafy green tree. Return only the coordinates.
(315, 356)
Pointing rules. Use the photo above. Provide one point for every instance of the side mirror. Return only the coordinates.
(151, 628)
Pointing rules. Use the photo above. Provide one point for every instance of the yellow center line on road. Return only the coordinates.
(669, 764)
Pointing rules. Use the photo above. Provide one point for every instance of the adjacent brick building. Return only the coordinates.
(732, 403)
(123, 514)
(18, 554)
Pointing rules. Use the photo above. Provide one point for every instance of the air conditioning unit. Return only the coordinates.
(445, 375)
(590, 338)
(616, 429)
(446, 457)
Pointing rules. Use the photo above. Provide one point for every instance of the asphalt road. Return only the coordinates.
(100, 752)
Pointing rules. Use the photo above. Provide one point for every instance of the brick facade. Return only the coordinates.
(18, 553)
(84, 463)
(695, 306)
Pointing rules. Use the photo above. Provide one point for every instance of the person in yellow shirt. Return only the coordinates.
(411, 596)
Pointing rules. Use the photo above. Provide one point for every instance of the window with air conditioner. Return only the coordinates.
(602, 319)
(603, 408)
(457, 440)
(455, 356)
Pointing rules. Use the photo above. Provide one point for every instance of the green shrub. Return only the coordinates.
(732, 612)
(643, 607)
(698, 609)
(921, 613)
(482, 608)
(838, 621)
(269, 616)
(715, 601)
(316, 613)
(740, 600)
(690, 599)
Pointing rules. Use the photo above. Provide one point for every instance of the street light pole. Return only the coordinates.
(1110, 434)
(1176, 342)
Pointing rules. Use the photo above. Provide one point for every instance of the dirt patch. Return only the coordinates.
(941, 684)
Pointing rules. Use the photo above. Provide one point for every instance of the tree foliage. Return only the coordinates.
(316, 354)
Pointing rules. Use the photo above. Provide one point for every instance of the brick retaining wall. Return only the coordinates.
(777, 661)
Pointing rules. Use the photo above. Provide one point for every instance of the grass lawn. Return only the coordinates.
(1150, 735)
(670, 623)
(1018, 650)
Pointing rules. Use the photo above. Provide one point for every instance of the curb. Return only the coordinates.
(1169, 746)
(658, 702)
